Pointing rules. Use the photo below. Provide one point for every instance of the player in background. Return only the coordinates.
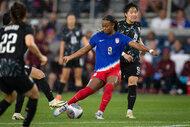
(14, 40)
(39, 78)
(130, 60)
(71, 42)
(109, 47)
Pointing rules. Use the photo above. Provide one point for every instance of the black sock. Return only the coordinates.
(30, 111)
(19, 103)
(3, 106)
(131, 96)
(44, 86)
(61, 87)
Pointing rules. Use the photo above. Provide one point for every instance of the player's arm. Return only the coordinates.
(61, 52)
(79, 53)
(141, 42)
(29, 40)
(142, 48)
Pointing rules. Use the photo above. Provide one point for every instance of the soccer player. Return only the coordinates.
(39, 77)
(109, 47)
(130, 60)
(14, 40)
(70, 43)
(130, 65)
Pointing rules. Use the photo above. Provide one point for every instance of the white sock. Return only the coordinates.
(100, 112)
(52, 101)
(129, 111)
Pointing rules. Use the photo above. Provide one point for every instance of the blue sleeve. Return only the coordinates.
(126, 40)
(93, 41)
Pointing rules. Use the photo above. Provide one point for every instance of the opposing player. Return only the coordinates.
(39, 78)
(130, 60)
(14, 40)
(109, 47)
(72, 39)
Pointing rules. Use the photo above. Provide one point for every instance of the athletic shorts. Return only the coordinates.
(103, 75)
(130, 69)
(28, 69)
(74, 63)
(21, 84)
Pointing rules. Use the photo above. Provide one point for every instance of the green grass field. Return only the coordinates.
(150, 110)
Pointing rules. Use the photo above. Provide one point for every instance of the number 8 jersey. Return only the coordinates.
(13, 48)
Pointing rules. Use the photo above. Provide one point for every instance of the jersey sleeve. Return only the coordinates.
(126, 39)
(93, 41)
(29, 30)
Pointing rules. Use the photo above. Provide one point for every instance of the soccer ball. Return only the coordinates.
(74, 111)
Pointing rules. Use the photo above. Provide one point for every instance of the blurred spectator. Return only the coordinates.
(142, 20)
(185, 72)
(151, 37)
(180, 21)
(79, 6)
(161, 22)
(178, 4)
(31, 59)
(157, 5)
(165, 73)
(145, 79)
(55, 25)
(143, 6)
(170, 41)
(187, 10)
(177, 48)
(3, 7)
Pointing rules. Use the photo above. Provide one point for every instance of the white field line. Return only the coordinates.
(153, 122)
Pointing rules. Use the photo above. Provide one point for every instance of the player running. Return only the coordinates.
(109, 47)
(39, 78)
(14, 40)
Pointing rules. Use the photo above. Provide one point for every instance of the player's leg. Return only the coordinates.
(132, 85)
(93, 85)
(7, 101)
(63, 80)
(41, 81)
(78, 78)
(18, 106)
(31, 107)
(112, 81)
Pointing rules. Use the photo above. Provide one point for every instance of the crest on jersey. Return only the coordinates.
(116, 40)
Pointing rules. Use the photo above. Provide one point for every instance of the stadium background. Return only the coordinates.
(161, 30)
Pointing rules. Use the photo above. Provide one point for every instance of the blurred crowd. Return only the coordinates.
(166, 74)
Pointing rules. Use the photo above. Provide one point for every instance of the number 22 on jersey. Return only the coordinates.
(6, 45)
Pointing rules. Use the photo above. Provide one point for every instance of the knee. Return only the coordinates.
(132, 82)
(11, 98)
(109, 88)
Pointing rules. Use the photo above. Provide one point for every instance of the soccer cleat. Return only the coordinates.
(56, 103)
(17, 116)
(99, 115)
(130, 115)
(60, 110)
(58, 97)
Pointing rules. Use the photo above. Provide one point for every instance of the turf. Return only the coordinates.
(150, 110)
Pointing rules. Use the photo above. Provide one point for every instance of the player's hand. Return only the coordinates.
(129, 58)
(43, 60)
(60, 61)
(154, 53)
(66, 59)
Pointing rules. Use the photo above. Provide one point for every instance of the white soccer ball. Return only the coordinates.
(74, 111)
